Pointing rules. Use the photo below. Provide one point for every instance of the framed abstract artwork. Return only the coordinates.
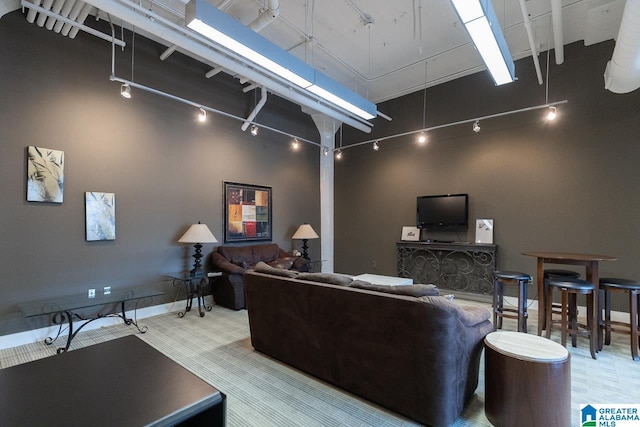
(45, 175)
(100, 211)
(247, 212)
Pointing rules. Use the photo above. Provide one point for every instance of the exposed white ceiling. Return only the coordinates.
(384, 49)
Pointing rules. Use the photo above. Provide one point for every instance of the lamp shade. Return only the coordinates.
(198, 233)
(305, 231)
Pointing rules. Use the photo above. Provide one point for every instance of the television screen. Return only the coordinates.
(443, 212)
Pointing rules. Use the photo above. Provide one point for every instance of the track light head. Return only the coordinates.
(552, 113)
(325, 151)
(295, 144)
(476, 126)
(422, 138)
(202, 117)
(339, 154)
(125, 90)
(376, 146)
(254, 130)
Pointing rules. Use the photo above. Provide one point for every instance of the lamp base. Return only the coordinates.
(305, 254)
(197, 271)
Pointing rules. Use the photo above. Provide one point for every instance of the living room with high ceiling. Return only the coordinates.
(364, 356)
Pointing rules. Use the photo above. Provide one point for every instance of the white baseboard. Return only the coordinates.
(37, 335)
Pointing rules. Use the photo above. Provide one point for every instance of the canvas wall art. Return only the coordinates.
(247, 212)
(100, 219)
(45, 175)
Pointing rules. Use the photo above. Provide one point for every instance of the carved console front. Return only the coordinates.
(464, 267)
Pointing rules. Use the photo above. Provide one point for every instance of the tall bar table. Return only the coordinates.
(590, 261)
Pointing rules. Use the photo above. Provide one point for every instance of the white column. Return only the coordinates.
(327, 127)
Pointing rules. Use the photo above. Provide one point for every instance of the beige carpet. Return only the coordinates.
(263, 392)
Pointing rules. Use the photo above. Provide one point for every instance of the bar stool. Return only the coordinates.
(570, 288)
(499, 311)
(633, 288)
(553, 273)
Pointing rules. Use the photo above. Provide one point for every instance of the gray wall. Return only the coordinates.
(569, 185)
(165, 169)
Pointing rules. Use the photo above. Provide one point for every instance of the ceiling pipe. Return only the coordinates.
(57, 7)
(73, 15)
(249, 88)
(31, 15)
(81, 18)
(266, 16)
(68, 21)
(257, 108)
(558, 35)
(201, 47)
(213, 72)
(66, 10)
(532, 45)
(42, 17)
(622, 74)
(168, 51)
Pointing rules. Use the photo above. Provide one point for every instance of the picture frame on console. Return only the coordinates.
(247, 212)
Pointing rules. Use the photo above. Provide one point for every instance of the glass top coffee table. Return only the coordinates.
(65, 309)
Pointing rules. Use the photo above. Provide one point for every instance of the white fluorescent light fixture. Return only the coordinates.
(216, 25)
(482, 24)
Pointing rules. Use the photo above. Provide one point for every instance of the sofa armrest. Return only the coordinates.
(220, 263)
(469, 316)
(300, 264)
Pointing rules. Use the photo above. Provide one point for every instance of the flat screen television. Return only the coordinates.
(446, 212)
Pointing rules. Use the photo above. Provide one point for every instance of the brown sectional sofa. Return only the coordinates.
(417, 356)
(234, 261)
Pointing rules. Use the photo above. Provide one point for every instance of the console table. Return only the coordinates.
(65, 309)
(464, 267)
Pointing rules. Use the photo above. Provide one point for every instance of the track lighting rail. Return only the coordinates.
(204, 107)
(473, 120)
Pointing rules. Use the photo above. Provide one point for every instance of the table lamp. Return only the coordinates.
(198, 234)
(304, 233)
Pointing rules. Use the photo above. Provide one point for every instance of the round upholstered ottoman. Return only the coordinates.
(527, 381)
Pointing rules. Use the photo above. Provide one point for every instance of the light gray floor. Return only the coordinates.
(263, 392)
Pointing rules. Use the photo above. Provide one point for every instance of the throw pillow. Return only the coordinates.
(417, 290)
(285, 263)
(331, 278)
(263, 267)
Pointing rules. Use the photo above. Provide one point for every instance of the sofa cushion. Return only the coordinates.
(417, 290)
(469, 316)
(331, 278)
(239, 255)
(285, 263)
(263, 267)
(266, 252)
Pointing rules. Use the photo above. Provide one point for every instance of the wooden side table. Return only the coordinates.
(527, 381)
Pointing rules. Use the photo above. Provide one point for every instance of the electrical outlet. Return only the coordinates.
(373, 264)
(92, 293)
(107, 290)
